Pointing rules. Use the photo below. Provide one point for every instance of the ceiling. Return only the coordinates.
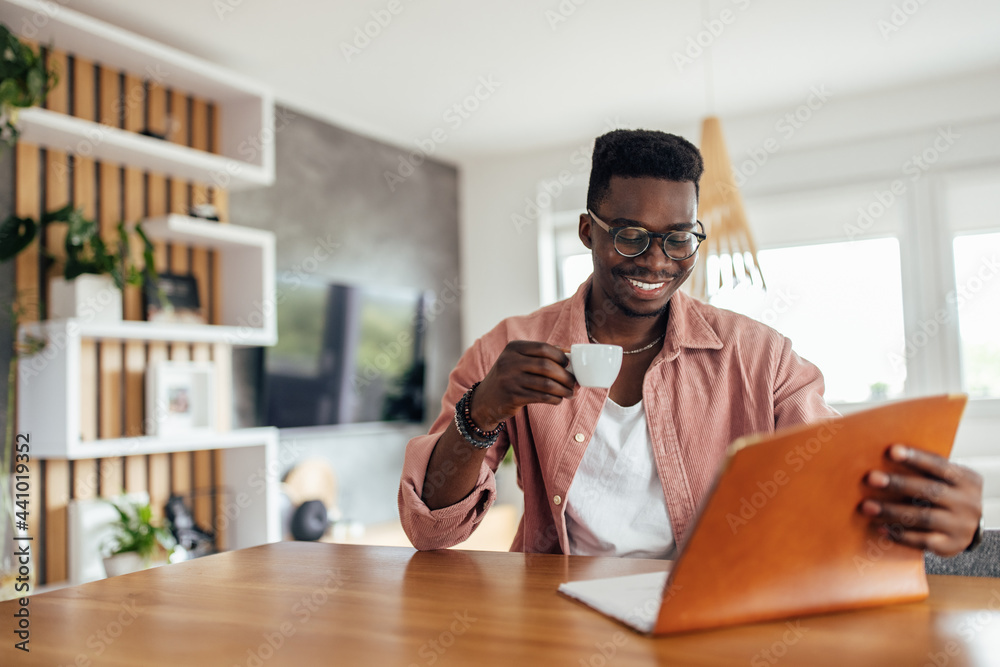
(561, 69)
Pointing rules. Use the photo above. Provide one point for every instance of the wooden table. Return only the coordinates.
(307, 604)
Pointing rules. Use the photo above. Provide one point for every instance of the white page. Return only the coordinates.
(634, 599)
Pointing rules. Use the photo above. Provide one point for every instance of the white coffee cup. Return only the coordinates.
(595, 365)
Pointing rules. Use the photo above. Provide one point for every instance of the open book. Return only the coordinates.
(780, 535)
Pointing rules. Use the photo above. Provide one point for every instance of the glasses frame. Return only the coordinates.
(614, 231)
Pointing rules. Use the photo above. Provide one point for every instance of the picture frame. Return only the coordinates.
(173, 298)
(180, 398)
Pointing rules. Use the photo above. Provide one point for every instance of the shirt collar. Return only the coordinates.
(686, 326)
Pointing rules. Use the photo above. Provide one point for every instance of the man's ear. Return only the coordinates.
(586, 225)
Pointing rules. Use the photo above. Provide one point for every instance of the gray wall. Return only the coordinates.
(328, 203)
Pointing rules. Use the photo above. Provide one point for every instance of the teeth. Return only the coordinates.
(646, 286)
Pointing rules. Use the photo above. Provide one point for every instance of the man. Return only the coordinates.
(622, 471)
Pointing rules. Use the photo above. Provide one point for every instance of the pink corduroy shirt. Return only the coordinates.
(719, 376)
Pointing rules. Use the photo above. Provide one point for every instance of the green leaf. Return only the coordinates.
(16, 234)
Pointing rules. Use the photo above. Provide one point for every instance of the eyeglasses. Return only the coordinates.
(633, 241)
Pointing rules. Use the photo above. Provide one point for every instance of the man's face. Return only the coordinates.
(658, 206)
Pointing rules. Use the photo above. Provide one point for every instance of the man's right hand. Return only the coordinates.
(525, 372)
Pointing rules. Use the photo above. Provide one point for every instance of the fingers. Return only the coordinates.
(530, 348)
(932, 491)
(928, 463)
(919, 527)
(907, 516)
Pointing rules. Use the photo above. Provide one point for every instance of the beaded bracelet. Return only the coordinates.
(474, 435)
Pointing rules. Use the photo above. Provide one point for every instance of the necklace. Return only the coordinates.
(641, 349)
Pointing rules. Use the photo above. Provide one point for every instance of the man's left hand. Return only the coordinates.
(937, 508)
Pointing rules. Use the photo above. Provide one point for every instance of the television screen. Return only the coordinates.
(345, 355)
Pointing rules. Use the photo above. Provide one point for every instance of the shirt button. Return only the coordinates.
(579, 437)
(557, 500)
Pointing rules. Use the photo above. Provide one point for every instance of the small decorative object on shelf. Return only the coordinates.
(24, 82)
(205, 212)
(180, 398)
(173, 298)
(138, 542)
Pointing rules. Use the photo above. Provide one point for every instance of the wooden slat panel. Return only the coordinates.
(180, 352)
(112, 474)
(56, 500)
(202, 487)
(221, 534)
(180, 475)
(135, 374)
(57, 165)
(134, 100)
(159, 482)
(85, 473)
(178, 118)
(199, 124)
(109, 102)
(85, 185)
(88, 389)
(58, 97)
(27, 204)
(84, 93)
(202, 481)
(135, 204)
(159, 464)
(112, 402)
(110, 198)
(178, 260)
(156, 108)
(135, 474)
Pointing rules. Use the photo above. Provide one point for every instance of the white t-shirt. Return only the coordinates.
(615, 505)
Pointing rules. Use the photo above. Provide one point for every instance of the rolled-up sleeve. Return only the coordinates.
(448, 526)
(798, 391)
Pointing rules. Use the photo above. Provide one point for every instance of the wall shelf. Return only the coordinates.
(246, 138)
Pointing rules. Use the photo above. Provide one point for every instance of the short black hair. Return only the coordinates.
(639, 154)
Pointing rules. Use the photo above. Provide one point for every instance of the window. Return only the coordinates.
(841, 304)
(977, 298)
(573, 271)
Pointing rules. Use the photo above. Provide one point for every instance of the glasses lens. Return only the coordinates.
(631, 241)
(680, 245)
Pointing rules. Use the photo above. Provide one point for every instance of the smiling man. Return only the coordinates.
(621, 472)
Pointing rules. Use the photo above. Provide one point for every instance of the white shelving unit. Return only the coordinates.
(246, 107)
(247, 275)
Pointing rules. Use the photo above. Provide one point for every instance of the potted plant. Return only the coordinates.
(24, 82)
(138, 542)
(94, 272)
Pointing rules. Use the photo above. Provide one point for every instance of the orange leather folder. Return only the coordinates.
(780, 535)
